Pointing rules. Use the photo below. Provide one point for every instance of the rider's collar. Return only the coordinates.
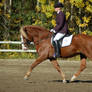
(58, 12)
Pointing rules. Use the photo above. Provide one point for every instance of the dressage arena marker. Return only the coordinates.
(14, 50)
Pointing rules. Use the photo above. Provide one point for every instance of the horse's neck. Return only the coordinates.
(41, 36)
(38, 40)
(45, 35)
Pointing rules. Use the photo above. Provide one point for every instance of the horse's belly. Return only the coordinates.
(68, 51)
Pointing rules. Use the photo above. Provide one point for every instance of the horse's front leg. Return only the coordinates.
(82, 67)
(38, 61)
(56, 65)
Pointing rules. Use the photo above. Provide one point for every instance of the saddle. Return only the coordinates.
(63, 42)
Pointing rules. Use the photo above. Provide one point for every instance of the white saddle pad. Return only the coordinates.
(67, 41)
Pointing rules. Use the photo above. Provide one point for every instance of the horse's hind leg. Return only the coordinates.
(82, 67)
(38, 61)
(56, 65)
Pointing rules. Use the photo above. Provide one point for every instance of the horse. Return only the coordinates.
(81, 45)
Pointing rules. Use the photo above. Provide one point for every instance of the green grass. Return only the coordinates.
(15, 55)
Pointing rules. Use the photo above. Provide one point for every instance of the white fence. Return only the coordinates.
(14, 50)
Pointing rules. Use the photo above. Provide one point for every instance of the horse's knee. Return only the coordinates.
(82, 67)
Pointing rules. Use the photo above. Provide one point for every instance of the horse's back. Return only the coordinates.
(82, 37)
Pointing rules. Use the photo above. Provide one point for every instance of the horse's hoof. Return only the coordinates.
(25, 78)
(73, 78)
(64, 81)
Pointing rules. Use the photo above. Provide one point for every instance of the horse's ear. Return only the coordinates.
(23, 33)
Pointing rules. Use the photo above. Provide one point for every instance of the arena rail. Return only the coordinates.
(14, 50)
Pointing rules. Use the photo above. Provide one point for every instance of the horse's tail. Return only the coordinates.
(23, 33)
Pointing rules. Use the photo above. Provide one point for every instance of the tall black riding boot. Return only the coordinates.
(57, 49)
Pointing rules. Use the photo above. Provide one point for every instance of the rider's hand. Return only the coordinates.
(52, 30)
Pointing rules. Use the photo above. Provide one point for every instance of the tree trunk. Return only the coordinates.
(71, 13)
(5, 7)
(38, 2)
(10, 6)
(80, 19)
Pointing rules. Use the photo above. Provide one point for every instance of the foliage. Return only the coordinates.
(14, 55)
(41, 12)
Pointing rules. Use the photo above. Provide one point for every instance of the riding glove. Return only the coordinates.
(52, 30)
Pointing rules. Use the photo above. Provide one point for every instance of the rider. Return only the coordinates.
(61, 28)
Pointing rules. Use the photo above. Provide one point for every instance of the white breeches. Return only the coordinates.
(58, 36)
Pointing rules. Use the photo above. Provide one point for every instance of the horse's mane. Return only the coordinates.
(44, 33)
(38, 28)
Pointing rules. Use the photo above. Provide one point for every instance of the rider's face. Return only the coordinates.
(57, 9)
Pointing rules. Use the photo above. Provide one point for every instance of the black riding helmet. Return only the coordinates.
(58, 5)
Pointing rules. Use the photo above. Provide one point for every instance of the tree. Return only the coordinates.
(15, 13)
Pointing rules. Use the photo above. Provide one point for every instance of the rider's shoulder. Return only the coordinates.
(61, 13)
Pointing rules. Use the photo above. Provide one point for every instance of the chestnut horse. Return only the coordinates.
(81, 44)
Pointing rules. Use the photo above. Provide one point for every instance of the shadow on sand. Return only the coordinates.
(76, 81)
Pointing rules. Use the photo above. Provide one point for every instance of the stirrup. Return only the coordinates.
(56, 56)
